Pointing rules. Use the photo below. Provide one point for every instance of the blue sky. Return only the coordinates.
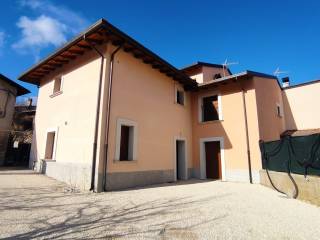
(260, 35)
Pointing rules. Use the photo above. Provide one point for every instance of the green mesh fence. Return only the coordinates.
(300, 155)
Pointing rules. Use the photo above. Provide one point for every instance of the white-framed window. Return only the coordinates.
(126, 140)
(51, 144)
(179, 96)
(279, 111)
(210, 107)
(57, 85)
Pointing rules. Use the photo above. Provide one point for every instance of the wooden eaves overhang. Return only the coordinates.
(100, 33)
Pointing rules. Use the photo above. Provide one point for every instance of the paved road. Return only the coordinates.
(34, 206)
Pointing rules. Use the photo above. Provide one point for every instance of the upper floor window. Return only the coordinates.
(57, 84)
(210, 108)
(279, 110)
(180, 97)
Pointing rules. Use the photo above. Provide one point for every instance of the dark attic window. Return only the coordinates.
(217, 75)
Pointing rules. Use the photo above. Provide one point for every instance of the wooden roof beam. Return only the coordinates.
(60, 61)
(48, 68)
(83, 46)
(128, 49)
(74, 51)
(54, 64)
(137, 55)
(147, 61)
(69, 56)
(170, 74)
(117, 42)
(94, 41)
(42, 71)
(36, 75)
(156, 66)
(164, 70)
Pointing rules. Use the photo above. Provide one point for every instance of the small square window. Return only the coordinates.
(279, 111)
(180, 97)
(217, 76)
(57, 84)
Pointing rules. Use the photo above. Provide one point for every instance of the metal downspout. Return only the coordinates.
(247, 131)
(94, 155)
(108, 117)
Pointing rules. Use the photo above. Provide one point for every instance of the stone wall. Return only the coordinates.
(308, 189)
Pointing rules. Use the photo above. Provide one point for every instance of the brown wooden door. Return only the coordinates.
(213, 163)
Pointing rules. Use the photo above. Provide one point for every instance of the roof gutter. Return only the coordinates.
(95, 142)
(246, 129)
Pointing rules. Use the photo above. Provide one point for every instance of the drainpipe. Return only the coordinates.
(108, 116)
(247, 130)
(94, 154)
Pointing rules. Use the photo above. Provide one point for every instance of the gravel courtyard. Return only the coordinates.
(35, 206)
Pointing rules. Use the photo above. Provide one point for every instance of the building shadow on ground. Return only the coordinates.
(50, 212)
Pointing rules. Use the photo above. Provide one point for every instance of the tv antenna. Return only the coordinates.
(277, 72)
(226, 65)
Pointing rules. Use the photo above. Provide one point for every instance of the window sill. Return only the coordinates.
(48, 160)
(182, 105)
(56, 94)
(211, 122)
(125, 161)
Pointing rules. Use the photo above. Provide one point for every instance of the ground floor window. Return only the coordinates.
(126, 142)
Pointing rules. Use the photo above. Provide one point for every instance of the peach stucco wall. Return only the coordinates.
(231, 128)
(71, 113)
(139, 93)
(147, 97)
(300, 106)
(269, 94)
(209, 72)
(205, 73)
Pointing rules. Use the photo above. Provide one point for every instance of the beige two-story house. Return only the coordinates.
(112, 114)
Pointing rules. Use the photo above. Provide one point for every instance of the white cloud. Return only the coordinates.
(75, 21)
(54, 25)
(40, 32)
(31, 3)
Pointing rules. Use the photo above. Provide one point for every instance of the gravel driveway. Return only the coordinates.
(35, 206)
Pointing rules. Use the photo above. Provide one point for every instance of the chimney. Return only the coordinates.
(29, 102)
(285, 82)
